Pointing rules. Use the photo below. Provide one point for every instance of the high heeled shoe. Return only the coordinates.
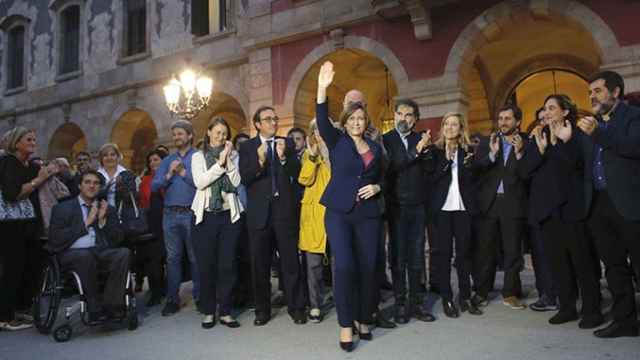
(347, 346)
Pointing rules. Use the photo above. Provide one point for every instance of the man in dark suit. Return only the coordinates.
(502, 195)
(84, 232)
(267, 166)
(405, 197)
(611, 148)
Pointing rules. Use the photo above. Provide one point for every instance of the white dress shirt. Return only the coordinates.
(454, 199)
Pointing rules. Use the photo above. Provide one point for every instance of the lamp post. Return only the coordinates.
(188, 94)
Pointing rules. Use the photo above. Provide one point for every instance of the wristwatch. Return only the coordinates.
(33, 184)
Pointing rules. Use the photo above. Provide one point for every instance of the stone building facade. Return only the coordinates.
(86, 72)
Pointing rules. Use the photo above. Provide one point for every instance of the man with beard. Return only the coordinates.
(502, 195)
(611, 149)
(83, 164)
(267, 165)
(175, 179)
(405, 197)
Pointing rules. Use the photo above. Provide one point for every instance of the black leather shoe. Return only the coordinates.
(479, 301)
(231, 324)
(615, 330)
(591, 321)
(347, 346)
(170, 308)
(563, 317)
(261, 320)
(400, 316)
(450, 309)
(418, 312)
(466, 305)
(384, 323)
(209, 324)
(366, 336)
(299, 317)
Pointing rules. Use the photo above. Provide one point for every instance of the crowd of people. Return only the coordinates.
(316, 210)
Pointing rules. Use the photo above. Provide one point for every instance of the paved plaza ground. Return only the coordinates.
(500, 334)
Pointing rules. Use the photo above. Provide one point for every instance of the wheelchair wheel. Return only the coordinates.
(132, 311)
(46, 303)
(63, 333)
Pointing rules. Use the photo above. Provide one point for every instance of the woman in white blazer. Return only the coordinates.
(217, 210)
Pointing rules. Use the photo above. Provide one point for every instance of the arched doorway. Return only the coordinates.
(135, 134)
(220, 105)
(355, 69)
(516, 52)
(67, 141)
(530, 93)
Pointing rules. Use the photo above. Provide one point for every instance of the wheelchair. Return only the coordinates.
(56, 285)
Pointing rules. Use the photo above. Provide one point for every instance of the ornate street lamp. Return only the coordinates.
(188, 94)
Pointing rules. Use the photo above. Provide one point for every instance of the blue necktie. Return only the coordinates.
(273, 168)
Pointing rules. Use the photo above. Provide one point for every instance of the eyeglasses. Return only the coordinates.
(270, 119)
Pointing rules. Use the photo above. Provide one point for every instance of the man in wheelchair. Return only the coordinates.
(84, 233)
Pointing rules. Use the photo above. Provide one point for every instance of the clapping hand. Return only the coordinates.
(262, 154)
(587, 124)
(223, 157)
(541, 138)
(424, 142)
(562, 132)
(281, 146)
(494, 144)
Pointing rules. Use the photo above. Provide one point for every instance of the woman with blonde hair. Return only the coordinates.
(453, 204)
(314, 176)
(20, 222)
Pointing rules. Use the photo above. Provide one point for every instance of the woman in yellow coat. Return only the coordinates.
(314, 176)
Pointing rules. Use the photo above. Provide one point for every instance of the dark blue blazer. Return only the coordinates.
(621, 155)
(348, 173)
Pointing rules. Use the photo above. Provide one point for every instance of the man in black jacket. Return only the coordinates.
(611, 148)
(267, 166)
(84, 232)
(405, 196)
(502, 195)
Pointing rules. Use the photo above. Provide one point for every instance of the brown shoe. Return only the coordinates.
(514, 303)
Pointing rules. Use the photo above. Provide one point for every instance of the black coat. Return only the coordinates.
(512, 174)
(439, 169)
(405, 176)
(257, 181)
(621, 156)
(67, 225)
(555, 181)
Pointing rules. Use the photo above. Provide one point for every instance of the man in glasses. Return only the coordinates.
(267, 163)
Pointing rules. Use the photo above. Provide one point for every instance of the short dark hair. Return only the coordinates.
(238, 137)
(517, 113)
(256, 115)
(159, 153)
(83, 153)
(538, 113)
(410, 103)
(297, 130)
(91, 172)
(612, 80)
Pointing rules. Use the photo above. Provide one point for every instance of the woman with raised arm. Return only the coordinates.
(353, 214)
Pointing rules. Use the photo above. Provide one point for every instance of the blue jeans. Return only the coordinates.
(177, 227)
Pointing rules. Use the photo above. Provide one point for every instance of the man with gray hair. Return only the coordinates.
(175, 179)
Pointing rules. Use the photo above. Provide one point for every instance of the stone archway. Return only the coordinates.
(512, 40)
(355, 69)
(356, 43)
(135, 134)
(66, 141)
(221, 105)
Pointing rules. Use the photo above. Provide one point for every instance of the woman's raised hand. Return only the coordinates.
(325, 78)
